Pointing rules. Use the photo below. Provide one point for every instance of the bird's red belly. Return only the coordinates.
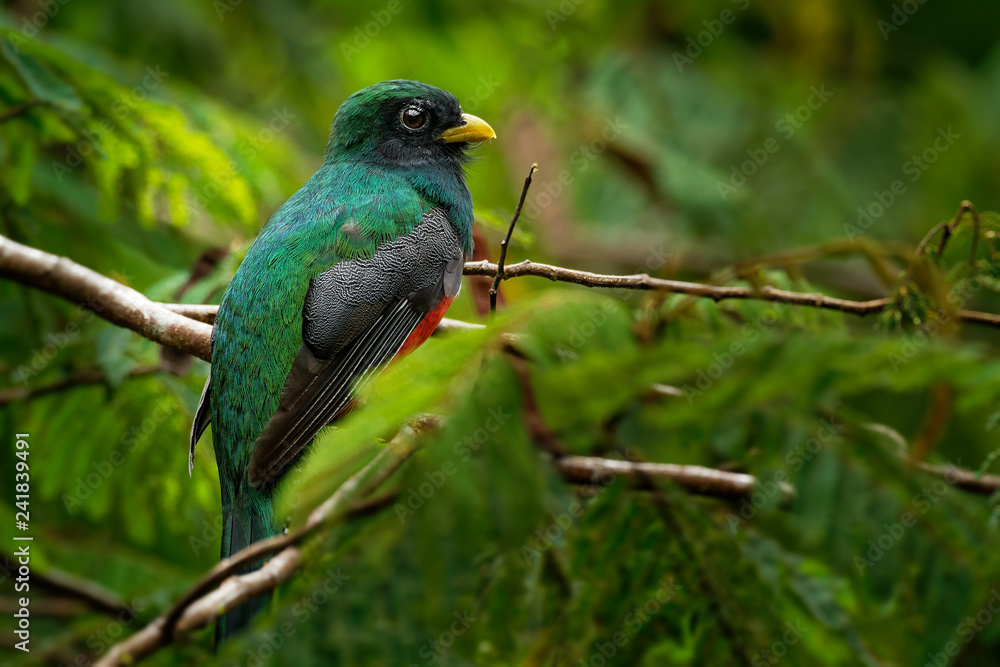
(424, 329)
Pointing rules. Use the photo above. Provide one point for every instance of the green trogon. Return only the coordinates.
(355, 268)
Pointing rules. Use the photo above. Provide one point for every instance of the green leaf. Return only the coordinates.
(45, 86)
(112, 344)
(23, 154)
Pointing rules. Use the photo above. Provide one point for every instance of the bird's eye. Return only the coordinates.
(413, 117)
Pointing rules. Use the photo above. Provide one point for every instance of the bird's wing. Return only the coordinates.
(356, 317)
(202, 418)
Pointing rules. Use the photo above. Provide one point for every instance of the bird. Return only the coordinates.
(357, 268)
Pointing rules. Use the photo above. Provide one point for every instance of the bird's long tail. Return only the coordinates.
(244, 521)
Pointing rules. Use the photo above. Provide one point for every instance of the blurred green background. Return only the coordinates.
(150, 141)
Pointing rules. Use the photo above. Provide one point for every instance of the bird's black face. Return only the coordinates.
(410, 128)
(406, 123)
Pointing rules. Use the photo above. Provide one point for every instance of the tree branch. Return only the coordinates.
(206, 314)
(204, 603)
(949, 228)
(695, 479)
(68, 587)
(643, 281)
(55, 607)
(968, 480)
(19, 110)
(111, 300)
(187, 327)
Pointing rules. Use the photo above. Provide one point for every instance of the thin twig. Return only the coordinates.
(695, 479)
(55, 607)
(19, 110)
(967, 480)
(949, 228)
(64, 585)
(643, 281)
(503, 244)
(946, 226)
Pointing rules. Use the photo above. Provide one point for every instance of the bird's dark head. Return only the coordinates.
(404, 123)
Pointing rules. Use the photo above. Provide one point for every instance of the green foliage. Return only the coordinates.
(481, 526)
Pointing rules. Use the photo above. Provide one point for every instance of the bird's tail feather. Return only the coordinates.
(241, 527)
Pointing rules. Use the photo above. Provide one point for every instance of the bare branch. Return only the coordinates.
(92, 594)
(56, 607)
(695, 479)
(19, 110)
(967, 480)
(978, 317)
(185, 327)
(111, 300)
(643, 281)
(666, 390)
(206, 314)
(69, 588)
(949, 228)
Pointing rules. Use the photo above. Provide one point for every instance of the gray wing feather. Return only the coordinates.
(202, 418)
(356, 317)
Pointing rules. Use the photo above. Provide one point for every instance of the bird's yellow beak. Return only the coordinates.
(471, 130)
